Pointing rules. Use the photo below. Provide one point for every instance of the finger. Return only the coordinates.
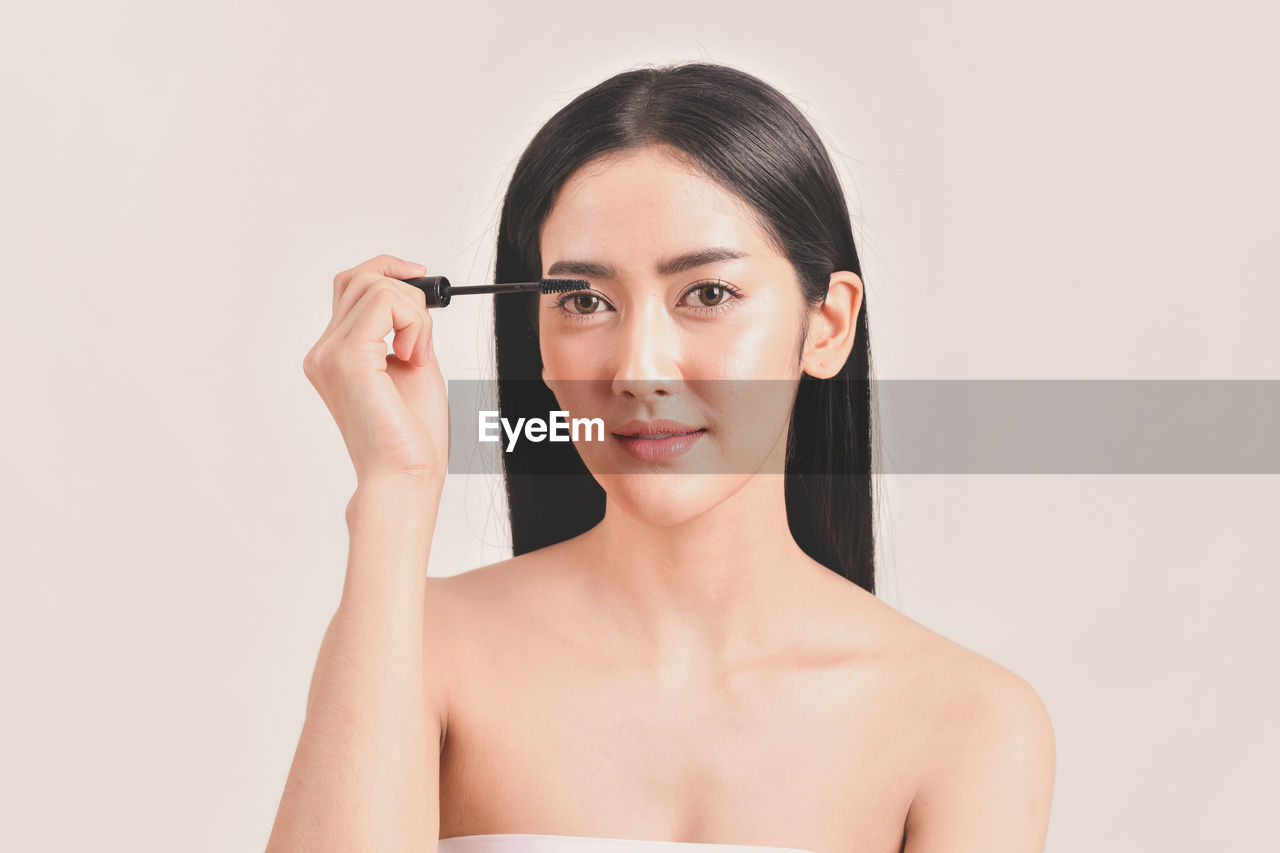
(383, 265)
(383, 309)
(421, 350)
(360, 284)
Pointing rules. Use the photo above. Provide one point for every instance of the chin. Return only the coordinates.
(669, 499)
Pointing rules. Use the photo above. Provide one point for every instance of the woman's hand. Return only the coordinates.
(391, 408)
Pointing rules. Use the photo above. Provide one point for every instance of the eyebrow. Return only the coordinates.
(671, 266)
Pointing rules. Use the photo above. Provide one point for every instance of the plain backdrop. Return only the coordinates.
(1067, 190)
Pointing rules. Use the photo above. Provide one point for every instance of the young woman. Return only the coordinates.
(685, 652)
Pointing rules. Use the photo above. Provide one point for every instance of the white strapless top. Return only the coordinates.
(527, 842)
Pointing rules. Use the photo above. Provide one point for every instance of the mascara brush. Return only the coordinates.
(439, 291)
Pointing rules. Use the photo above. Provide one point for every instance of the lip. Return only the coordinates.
(654, 441)
(654, 427)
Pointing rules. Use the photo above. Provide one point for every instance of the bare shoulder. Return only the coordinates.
(970, 692)
(988, 754)
(489, 603)
(521, 580)
(482, 625)
(465, 604)
(960, 686)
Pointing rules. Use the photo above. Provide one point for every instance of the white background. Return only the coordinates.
(1067, 190)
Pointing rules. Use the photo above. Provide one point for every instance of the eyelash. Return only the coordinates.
(734, 294)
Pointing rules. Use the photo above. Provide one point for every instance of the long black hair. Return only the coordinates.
(749, 137)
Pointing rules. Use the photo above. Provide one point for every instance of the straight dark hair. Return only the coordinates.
(746, 135)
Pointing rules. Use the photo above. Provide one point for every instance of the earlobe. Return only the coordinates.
(815, 356)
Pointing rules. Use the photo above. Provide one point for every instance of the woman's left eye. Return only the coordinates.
(711, 294)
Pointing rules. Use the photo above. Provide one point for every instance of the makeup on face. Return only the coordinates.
(688, 305)
(654, 441)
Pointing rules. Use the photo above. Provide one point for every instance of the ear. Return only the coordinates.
(832, 326)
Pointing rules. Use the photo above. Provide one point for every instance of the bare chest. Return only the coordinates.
(546, 737)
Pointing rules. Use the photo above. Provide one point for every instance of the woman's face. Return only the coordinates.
(712, 343)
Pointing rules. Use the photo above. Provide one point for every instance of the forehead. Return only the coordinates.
(629, 208)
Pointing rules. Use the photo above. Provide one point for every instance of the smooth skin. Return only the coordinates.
(681, 671)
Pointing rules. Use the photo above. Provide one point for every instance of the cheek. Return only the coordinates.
(567, 356)
(762, 343)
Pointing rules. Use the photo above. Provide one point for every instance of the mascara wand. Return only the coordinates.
(439, 291)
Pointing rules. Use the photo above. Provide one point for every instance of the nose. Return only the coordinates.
(647, 354)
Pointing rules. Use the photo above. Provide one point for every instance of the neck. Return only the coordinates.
(709, 591)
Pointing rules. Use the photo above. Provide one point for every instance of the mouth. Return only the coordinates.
(655, 441)
(659, 436)
(656, 430)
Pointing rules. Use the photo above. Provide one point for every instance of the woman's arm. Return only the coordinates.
(366, 773)
(989, 787)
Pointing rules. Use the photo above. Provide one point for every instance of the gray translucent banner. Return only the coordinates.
(921, 426)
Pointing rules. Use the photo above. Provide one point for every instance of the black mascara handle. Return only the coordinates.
(435, 286)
